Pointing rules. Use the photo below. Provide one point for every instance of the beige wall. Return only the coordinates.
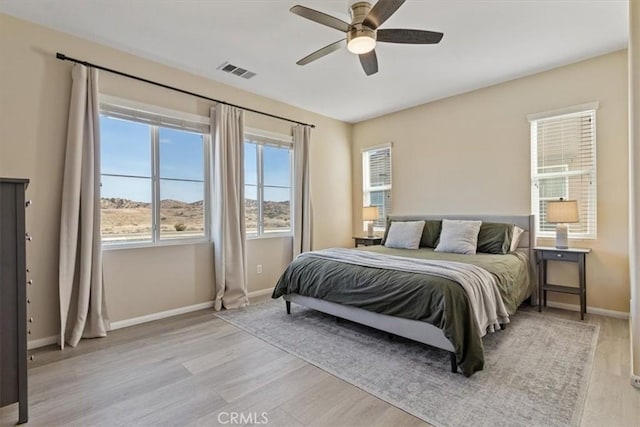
(34, 94)
(634, 182)
(471, 154)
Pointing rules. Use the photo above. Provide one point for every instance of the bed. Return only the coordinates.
(430, 309)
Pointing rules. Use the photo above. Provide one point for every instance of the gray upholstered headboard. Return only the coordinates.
(526, 222)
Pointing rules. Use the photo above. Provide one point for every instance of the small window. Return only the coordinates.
(563, 165)
(267, 172)
(376, 189)
(152, 179)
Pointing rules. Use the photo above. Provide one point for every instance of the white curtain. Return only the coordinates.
(302, 216)
(82, 306)
(228, 224)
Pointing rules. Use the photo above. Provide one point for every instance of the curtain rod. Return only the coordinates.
(63, 57)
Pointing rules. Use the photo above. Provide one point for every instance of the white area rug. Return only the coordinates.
(536, 371)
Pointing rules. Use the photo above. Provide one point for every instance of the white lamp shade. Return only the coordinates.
(370, 213)
(562, 211)
(362, 44)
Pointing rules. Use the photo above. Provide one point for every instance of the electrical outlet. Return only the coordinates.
(259, 268)
(635, 381)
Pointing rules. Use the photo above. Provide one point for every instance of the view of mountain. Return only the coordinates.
(124, 218)
(129, 218)
(277, 215)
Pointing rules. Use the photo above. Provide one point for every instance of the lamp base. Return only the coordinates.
(370, 229)
(562, 236)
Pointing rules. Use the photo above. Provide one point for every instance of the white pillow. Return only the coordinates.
(404, 234)
(515, 240)
(460, 237)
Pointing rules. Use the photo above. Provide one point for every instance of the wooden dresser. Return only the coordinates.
(13, 295)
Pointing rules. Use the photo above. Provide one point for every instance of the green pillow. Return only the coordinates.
(495, 238)
(430, 232)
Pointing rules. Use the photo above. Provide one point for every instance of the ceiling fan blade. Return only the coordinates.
(320, 18)
(322, 52)
(381, 11)
(398, 35)
(369, 62)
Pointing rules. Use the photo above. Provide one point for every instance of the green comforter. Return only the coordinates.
(435, 300)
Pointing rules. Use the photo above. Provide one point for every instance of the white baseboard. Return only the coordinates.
(42, 342)
(260, 293)
(176, 311)
(161, 315)
(592, 310)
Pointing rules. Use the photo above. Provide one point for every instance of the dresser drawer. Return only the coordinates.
(560, 255)
(13, 296)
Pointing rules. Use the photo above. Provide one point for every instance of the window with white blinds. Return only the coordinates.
(376, 180)
(563, 165)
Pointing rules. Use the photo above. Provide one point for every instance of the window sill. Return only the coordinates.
(552, 236)
(270, 236)
(142, 245)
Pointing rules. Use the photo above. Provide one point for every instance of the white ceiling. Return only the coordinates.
(485, 42)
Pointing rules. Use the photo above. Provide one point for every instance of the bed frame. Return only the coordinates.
(414, 329)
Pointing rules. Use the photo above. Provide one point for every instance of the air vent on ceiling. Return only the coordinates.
(236, 71)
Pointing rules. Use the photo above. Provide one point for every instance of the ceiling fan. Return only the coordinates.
(363, 33)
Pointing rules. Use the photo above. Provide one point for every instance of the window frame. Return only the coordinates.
(139, 113)
(591, 223)
(261, 139)
(367, 190)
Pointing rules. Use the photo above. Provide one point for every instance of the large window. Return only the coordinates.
(376, 182)
(152, 177)
(563, 165)
(267, 172)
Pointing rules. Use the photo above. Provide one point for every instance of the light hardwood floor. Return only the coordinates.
(191, 369)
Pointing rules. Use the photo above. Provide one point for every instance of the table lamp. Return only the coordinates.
(370, 213)
(562, 212)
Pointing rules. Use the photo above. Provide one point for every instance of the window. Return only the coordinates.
(563, 165)
(267, 178)
(152, 177)
(376, 182)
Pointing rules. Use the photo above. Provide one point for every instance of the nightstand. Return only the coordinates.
(577, 255)
(367, 241)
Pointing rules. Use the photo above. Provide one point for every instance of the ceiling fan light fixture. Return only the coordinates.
(363, 32)
(362, 44)
(361, 39)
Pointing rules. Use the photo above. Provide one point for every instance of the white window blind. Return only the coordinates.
(376, 166)
(563, 165)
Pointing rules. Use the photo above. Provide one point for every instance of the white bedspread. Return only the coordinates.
(479, 285)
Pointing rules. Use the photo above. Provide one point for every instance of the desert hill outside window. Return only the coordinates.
(563, 166)
(267, 172)
(153, 169)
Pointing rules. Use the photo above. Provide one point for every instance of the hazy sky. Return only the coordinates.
(126, 150)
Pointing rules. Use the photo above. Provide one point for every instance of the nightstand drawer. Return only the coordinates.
(367, 241)
(560, 255)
